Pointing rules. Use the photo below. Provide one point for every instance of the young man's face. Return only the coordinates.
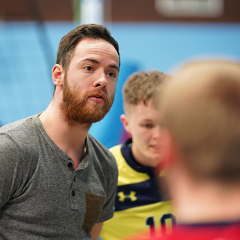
(142, 122)
(90, 82)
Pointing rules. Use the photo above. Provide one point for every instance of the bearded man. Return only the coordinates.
(56, 180)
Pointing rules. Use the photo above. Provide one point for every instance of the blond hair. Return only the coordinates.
(142, 86)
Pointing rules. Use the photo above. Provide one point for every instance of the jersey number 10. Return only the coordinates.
(162, 222)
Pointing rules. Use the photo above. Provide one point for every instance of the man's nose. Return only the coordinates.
(101, 80)
(157, 132)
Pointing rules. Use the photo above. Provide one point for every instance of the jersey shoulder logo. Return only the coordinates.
(131, 196)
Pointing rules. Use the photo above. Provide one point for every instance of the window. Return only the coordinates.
(190, 8)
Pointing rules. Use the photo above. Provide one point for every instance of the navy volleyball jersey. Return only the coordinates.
(139, 205)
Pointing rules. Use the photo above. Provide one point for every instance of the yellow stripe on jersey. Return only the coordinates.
(127, 175)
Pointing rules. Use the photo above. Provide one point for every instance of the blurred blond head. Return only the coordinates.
(201, 111)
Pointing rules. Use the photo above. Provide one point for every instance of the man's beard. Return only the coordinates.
(75, 110)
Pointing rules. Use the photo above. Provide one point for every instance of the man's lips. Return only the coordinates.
(155, 147)
(97, 97)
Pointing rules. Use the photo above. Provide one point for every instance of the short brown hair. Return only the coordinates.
(201, 110)
(142, 86)
(70, 40)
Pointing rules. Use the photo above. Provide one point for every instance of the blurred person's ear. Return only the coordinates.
(125, 123)
(167, 163)
(168, 150)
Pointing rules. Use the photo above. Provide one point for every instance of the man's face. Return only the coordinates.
(90, 82)
(143, 125)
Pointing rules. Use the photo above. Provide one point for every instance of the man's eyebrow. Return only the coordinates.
(90, 59)
(95, 61)
(114, 66)
(147, 120)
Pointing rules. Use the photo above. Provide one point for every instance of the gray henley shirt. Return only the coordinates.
(41, 197)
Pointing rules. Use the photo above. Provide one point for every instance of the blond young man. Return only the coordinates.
(200, 114)
(140, 204)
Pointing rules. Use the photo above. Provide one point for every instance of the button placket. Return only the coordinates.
(73, 194)
(70, 165)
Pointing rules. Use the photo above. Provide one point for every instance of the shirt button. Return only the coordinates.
(70, 165)
(73, 193)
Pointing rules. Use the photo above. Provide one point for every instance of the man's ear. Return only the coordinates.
(57, 75)
(125, 123)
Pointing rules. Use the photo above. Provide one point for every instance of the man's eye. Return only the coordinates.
(88, 68)
(112, 74)
(148, 125)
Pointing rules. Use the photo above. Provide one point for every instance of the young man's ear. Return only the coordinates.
(57, 75)
(125, 122)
